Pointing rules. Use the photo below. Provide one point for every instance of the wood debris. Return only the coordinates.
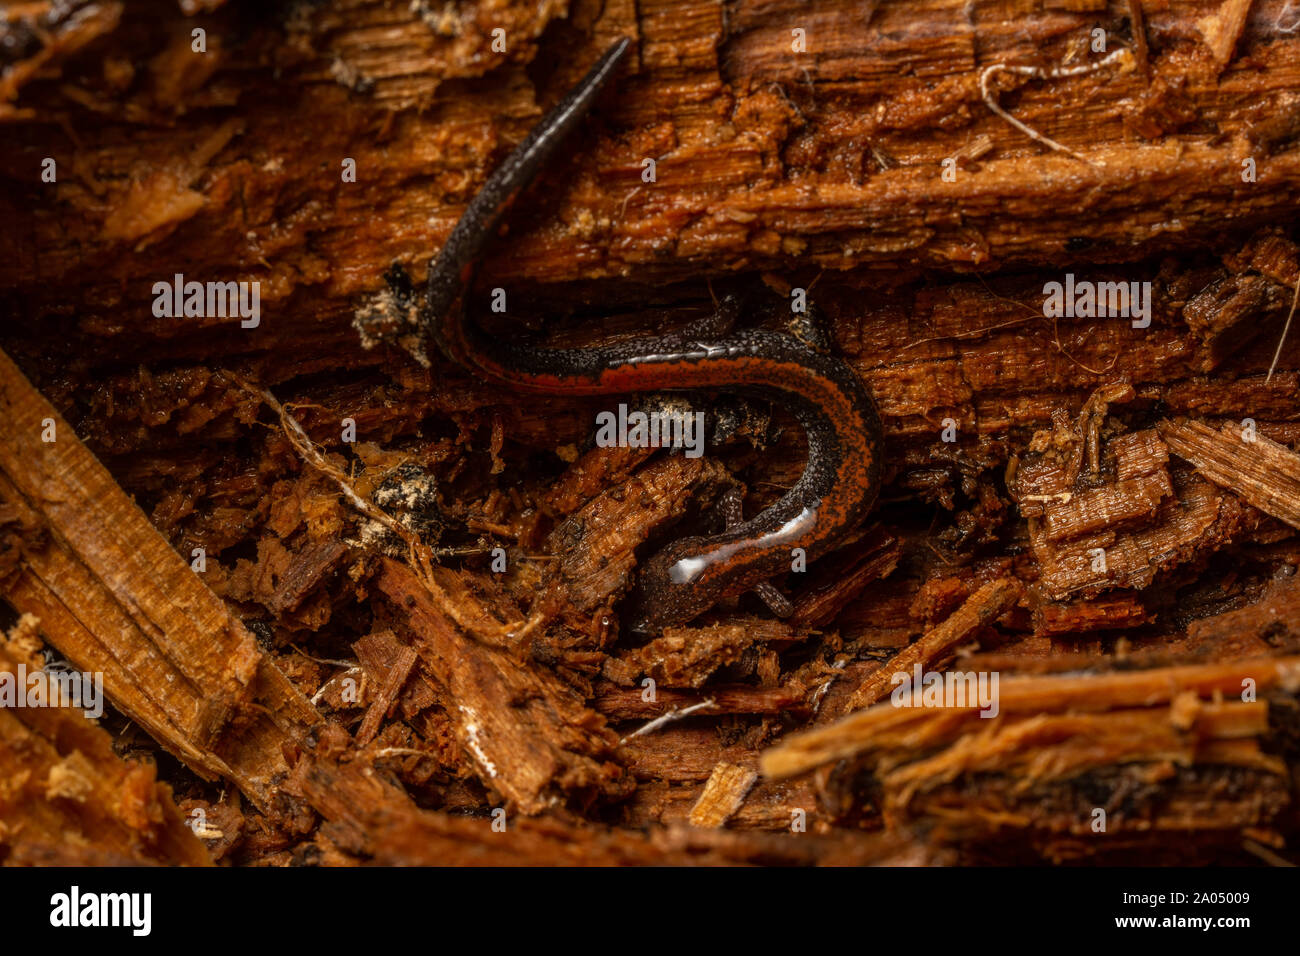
(408, 645)
(883, 726)
(68, 800)
(530, 737)
(725, 791)
(981, 608)
(1095, 528)
(1249, 297)
(1222, 28)
(1259, 470)
(114, 597)
(1159, 749)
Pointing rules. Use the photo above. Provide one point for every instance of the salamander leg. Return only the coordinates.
(776, 602)
(719, 323)
(809, 327)
(776, 312)
(730, 506)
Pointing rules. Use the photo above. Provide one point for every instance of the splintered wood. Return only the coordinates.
(724, 191)
(1114, 519)
(376, 605)
(1248, 296)
(981, 608)
(725, 791)
(530, 736)
(1039, 758)
(1262, 472)
(67, 799)
(1222, 28)
(883, 726)
(114, 597)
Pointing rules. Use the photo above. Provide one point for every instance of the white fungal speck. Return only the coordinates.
(472, 741)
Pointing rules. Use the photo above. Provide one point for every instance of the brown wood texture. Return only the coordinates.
(1103, 512)
(68, 798)
(115, 598)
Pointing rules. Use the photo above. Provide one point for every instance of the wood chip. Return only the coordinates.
(980, 609)
(723, 795)
(1222, 28)
(1262, 472)
(67, 799)
(883, 726)
(114, 597)
(528, 735)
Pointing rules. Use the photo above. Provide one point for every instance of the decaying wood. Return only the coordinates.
(1071, 502)
(1254, 289)
(1270, 625)
(981, 608)
(1093, 530)
(397, 675)
(725, 791)
(68, 799)
(1157, 750)
(689, 656)
(731, 154)
(114, 597)
(1264, 473)
(883, 727)
(633, 703)
(1223, 28)
(531, 738)
(374, 821)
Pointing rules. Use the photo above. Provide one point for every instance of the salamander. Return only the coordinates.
(844, 436)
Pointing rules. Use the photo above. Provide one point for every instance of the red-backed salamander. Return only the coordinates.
(840, 482)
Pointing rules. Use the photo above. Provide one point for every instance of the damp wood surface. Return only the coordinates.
(349, 679)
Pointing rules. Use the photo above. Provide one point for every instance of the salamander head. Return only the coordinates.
(673, 587)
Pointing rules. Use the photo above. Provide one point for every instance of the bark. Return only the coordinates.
(1102, 510)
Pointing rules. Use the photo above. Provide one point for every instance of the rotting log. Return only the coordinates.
(765, 158)
(66, 797)
(114, 598)
(1100, 476)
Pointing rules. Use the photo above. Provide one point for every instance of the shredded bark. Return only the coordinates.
(401, 640)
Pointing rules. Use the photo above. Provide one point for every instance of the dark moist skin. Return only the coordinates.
(839, 484)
